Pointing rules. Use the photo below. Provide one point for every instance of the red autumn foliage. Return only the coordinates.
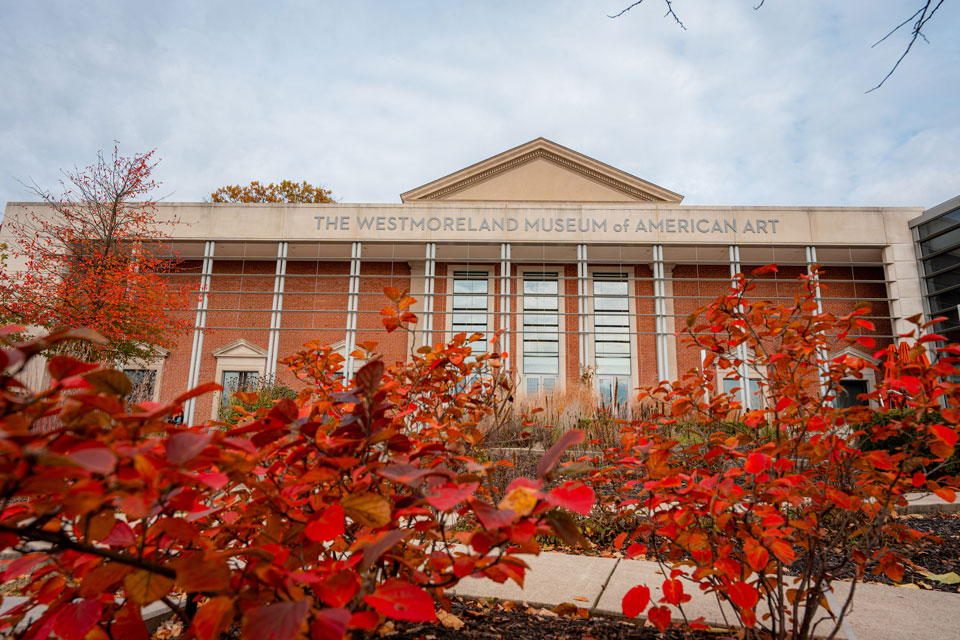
(773, 511)
(325, 515)
(95, 257)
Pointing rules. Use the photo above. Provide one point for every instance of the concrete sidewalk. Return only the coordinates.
(880, 612)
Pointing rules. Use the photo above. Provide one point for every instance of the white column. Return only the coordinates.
(743, 369)
(353, 305)
(505, 269)
(811, 252)
(660, 316)
(196, 351)
(429, 274)
(273, 342)
(582, 303)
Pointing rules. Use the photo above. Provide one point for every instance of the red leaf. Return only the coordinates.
(636, 601)
(944, 434)
(367, 379)
(120, 536)
(383, 543)
(757, 557)
(783, 403)
(96, 459)
(491, 517)
(743, 595)
(61, 367)
(770, 268)
(619, 540)
(673, 593)
(757, 463)
(575, 496)
(330, 624)
(328, 526)
(449, 495)
(405, 473)
(183, 446)
(659, 617)
(634, 550)
(366, 620)
(867, 341)
(22, 565)
(206, 387)
(552, 456)
(783, 551)
(400, 600)
(211, 619)
(74, 620)
(278, 621)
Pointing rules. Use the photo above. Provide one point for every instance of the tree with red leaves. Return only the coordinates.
(95, 257)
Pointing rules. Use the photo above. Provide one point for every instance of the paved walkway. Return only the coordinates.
(880, 612)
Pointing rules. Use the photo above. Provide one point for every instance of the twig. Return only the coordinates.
(670, 12)
(925, 14)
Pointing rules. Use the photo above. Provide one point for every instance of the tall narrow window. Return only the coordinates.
(541, 331)
(471, 306)
(611, 326)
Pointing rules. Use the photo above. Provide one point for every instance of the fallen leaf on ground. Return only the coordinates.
(580, 599)
(449, 620)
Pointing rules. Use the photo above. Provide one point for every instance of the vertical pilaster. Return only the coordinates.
(743, 370)
(353, 304)
(660, 315)
(583, 298)
(273, 342)
(505, 271)
(196, 350)
(811, 252)
(429, 275)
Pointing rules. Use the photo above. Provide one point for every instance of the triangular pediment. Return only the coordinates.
(240, 348)
(541, 171)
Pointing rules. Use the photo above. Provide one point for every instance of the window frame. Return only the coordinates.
(591, 356)
(448, 298)
(251, 358)
(561, 376)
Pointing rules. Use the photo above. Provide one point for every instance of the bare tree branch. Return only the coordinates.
(922, 16)
(925, 13)
(670, 12)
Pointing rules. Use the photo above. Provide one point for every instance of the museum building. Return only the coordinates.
(585, 268)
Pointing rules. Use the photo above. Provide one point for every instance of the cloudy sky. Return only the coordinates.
(374, 98)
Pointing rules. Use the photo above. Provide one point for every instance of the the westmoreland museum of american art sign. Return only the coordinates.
(626, 223)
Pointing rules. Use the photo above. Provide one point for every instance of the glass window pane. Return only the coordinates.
(533, 385)
(848, 392)
(607, 365)
(549, 384)
(945, 221)
(540, 364)
(943, 280)
(946, 260)
(947, 240)
(540, 347)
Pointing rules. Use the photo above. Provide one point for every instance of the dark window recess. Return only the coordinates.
(144, 382)
(947, 260)
(234, 381)
(848, 395)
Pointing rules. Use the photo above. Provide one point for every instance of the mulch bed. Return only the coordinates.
(522, 623)
(937, 556)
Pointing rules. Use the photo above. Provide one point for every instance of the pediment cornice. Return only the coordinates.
(541, 148)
